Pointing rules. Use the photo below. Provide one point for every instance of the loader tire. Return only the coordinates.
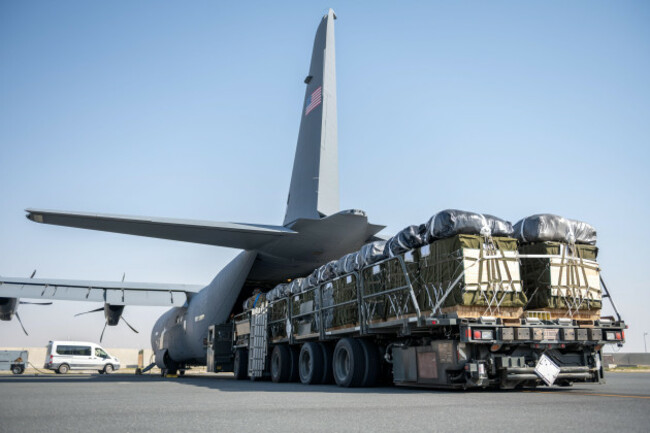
(281, 364)
(372, 366)
(295, 370)
(349, 362)
(240, 367)
(310, 364)
(328, 351)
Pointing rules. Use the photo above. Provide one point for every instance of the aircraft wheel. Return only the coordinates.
(63, 369)
(348, 363)
(281, 363)
(372, 366)
(328, 351)
(241, 364)
(310, 364)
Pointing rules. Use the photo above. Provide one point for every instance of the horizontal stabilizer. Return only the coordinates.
(233, 235)
(115, 293)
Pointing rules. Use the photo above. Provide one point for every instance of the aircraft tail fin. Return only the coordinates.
(314, 190)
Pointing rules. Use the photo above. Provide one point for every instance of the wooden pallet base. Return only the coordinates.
(474, 312)
(561, 313)
(337, 328)
(393, 318)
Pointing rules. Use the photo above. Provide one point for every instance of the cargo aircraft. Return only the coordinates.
(313, 233)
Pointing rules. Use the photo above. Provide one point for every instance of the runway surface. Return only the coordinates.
(218, 403)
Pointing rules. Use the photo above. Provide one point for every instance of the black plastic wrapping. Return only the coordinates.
(371, 253)
(326, 272)
(554, 228)
(348, 263)
(452, 222)
(312, 279)
(407, 239)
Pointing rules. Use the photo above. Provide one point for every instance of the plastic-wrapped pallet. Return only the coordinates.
(566, 278)
(386, 287)
(341, 295)
(477, 277)
(304, 309)
(452, 222)
(278, 313)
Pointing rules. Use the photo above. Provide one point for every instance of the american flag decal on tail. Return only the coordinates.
(314, 100)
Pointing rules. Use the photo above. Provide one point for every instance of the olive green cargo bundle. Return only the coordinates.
(340, 307)
(568, 279)
(481, 272)
(278, 315)
(304, 319)
(386, 288)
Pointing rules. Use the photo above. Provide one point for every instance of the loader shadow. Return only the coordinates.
(225, 383)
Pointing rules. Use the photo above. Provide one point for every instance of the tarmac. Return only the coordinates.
(208, 402)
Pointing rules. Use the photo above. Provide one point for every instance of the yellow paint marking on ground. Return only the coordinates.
(595, 394)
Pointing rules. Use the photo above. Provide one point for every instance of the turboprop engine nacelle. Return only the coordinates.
(112, 314)
(8, 308)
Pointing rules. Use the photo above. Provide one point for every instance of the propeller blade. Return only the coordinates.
(34, 303)
(123, 275)
(33, 273)
(91, 311)
(21, 323)
(127, 324)
(102, 336)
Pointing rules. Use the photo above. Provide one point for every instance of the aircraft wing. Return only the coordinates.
(233, 235)
(116, 293)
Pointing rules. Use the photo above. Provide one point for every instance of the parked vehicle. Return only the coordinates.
(63, 356)
(14, 360)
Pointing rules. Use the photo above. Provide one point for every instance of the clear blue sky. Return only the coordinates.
(192, 111)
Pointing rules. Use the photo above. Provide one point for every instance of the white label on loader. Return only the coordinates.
(547, 370)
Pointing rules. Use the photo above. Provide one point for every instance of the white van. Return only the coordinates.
(63, 356)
